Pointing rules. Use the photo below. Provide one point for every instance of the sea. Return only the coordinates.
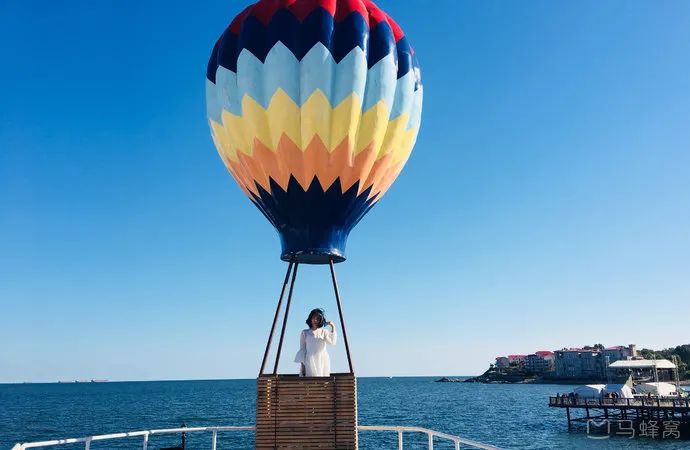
(511, 416)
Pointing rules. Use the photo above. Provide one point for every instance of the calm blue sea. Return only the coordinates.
(509, 416)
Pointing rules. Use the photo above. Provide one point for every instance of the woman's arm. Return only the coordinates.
(331, 337)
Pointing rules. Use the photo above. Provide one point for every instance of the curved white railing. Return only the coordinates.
(431, 435)
(144, 434)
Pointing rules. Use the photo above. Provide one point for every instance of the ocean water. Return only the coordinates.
(508, 416)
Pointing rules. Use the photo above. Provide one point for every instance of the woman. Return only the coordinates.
(312, 355)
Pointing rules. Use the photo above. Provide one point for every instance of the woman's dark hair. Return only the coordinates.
(318, 312)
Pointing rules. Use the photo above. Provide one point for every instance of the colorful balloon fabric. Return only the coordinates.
(314, 107)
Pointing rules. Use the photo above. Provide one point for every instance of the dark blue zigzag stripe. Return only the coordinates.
(212, 66)
(314, 222)
(418, 77)
(340, 38)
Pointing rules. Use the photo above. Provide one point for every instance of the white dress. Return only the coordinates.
(312, 351)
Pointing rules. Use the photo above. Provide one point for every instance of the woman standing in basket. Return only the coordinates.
(312, 355)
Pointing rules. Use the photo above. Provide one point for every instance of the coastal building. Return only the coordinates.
(516, 361)
(569, 363)
(644, 370)
(502, 362)
(619, 353)
(540, 362)
(590, 362)
(579, 363)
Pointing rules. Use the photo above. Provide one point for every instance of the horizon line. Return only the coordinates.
(102, 381)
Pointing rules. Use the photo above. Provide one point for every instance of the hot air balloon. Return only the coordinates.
(314, 107)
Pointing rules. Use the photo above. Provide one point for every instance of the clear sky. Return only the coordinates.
(546, 204)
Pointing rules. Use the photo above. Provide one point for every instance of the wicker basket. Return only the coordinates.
(295, 412)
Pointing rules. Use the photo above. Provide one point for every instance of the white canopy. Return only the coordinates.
(589, 391)
(656, 388)
(623, 390)
(642, 364)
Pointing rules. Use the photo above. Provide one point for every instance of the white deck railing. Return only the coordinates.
(145, 434)
(431, 434)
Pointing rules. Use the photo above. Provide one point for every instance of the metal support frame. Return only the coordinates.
(285, 318)
(340, 313)
(290, 277)
(275, 318)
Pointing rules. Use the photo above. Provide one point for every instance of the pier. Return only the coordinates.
(664, 417)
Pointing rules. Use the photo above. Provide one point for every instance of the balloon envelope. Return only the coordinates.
(314, 107)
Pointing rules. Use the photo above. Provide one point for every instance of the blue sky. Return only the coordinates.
(546, 203)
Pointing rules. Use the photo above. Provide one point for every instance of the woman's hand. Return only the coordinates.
(331, 324)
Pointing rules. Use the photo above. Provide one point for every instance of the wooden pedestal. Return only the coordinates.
(295, 412)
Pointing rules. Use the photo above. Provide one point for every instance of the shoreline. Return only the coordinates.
(178, 380)
(442, 379)
(579, 381)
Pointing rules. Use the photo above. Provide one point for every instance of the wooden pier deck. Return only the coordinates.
(661, 410)
(679, 404)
